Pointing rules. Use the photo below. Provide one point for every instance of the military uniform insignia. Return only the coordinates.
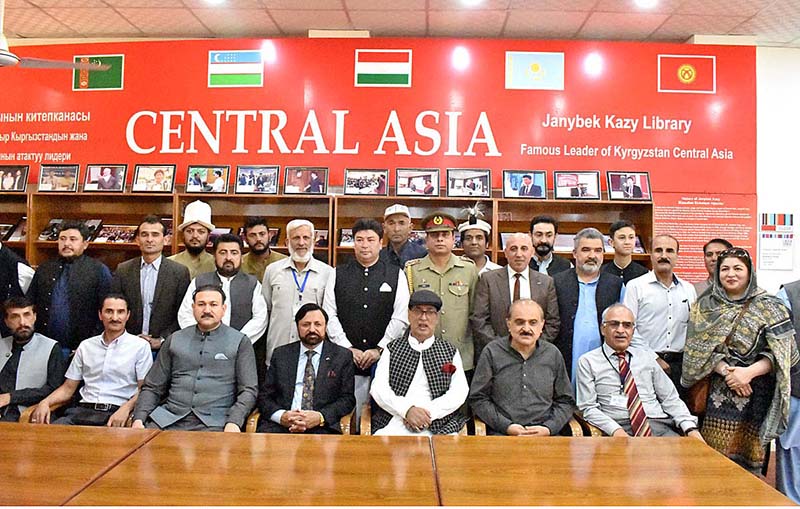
(458, 288)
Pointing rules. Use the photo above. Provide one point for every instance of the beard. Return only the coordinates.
(590, 268)
(227, 272)
(297, 258)
(22, 335)
(195, 250)
(258, 252)
(312, 339)
(543, 249)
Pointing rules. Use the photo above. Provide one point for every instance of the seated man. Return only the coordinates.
(623, 391)
(112, 367)
(419, 383)
(204, 378)
(31, 365)
(521, 386)
(309, 384)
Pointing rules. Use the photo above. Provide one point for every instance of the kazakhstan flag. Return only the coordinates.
(529, 70)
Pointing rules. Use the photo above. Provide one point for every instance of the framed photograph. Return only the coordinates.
(274, 236)
(417, 182)
(417, 237)
(627, 185)
(305, 180)
(50, 232)
(346, 238)
(469, 182)
(216, 232)
(108, 178)
(207, 179)
(320, 238)
(577, 185)
(116, 234)
(13, 179)
(527, 184)
(19, 231)
(5, 230)
(369, 182)
(256, 179)
(58, 178)
(157, 178)
(504, 236)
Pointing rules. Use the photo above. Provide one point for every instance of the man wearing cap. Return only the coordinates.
(475, 239)
(397, 225)
(196, 227)
(452, 278)
(420, 382)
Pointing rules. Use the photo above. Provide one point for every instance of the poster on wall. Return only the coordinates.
(776, 242)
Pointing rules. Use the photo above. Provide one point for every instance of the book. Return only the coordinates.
(50, 232)
(20, 230)
(5, 230)
(346, 238)
(320, 238)
(93, 225)
(168, 230)
(216, 232)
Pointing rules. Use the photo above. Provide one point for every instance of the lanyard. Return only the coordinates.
(300, 288)
(616, 369)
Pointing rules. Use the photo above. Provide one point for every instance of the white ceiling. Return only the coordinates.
(772, 22)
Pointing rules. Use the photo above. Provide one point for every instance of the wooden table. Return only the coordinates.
(592, 471)
(184, 468)
(47, 465)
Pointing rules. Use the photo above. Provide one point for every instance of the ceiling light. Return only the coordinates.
(215, 2)
(471, 3)
(645, 4)
(593, 64)
(460, 58)
(269, 54)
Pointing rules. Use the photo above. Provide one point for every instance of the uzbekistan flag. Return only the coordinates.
(687, 74)
(242, 68)
(383, 68)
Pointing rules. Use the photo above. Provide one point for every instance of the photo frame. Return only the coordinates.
(629, 186)
(525, 184)
(116, 234)
(320, 238)
(471, 182)
(105, 178)
(346, 238)
(207, 179)
(305, 180)
(14, 178)
(19, 231)
(257, 179)
(154, 178)
(577, 185)
(367, 182)
(61, 178)
(416, 182)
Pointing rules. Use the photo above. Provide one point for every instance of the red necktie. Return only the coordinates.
(639, 423)
(516, 286)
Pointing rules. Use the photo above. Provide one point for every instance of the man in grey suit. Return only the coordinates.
(153, 285)
(497, 289)
(205, 374)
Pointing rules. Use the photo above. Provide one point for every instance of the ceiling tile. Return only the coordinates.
(465, 23)
(390, 23)
(458, 5)
(553, 5)
(682, 26)
(543, 24)
(34, 23)
(238, 22)
(146, 3)
(293, 22)
(620, 25)
(304, 4)
(93, 22)
(13, 4)
(157, 22)
(228, 4)
(389, 5)
(662, 7)
(779, 22)
(744, 8)
(68, 3)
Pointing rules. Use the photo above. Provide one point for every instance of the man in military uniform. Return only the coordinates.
(452, 278)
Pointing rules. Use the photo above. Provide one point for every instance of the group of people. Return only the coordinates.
(421, 337)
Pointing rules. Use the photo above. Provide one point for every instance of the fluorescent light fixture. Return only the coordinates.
(593, 64)
(471, 3)
(215, 2)
(460, 58)
(645, 4)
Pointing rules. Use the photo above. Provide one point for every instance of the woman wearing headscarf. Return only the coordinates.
(743, 339)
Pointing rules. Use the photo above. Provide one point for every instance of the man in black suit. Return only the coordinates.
(630, 189)
(528, 188)
(310, 383)
(153, 285)
(544, 230)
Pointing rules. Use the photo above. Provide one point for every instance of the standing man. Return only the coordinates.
(260, 256)
(475, 239)
(787, 458)
(153, 285)
(196, 227)
(247, 312)
(623, 240)
(367, 302)
(31, 365)
(291, 282)
(68, 291)
(497, 290)
(660, 300)
(15, 278)
(528, 188)
(583, 293)
(453, 279)
(543, 234)
(398, 226)
(205, 377)
(711, 251)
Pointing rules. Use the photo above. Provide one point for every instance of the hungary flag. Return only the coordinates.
(111, 79)
(383, 68)
(240, 68)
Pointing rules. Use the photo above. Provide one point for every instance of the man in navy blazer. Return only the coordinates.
(310, 383)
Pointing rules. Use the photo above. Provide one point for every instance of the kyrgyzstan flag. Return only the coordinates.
(694, 74)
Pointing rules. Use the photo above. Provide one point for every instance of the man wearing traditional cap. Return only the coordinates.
(475, 239)
(397, 225)
(452, 278)
(196, 227)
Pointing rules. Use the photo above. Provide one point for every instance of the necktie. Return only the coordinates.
(148, 281)
(516, 286)
(307, 402)
(639, 422)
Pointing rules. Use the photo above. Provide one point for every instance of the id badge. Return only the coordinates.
(619, 400)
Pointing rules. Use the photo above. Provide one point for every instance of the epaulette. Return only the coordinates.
(466, 259)
(413, 262)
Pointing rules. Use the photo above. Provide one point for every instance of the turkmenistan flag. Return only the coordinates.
(383, 68)
(238, 68)
(111, 79)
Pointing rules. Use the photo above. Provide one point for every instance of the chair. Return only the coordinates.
(366, 422)
(346, 422)
(573, 427)
(588, 429)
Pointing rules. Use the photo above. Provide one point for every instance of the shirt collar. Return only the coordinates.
(156, 263)
(317, 348)
(651, 278)
(511, 272)
(416, 345)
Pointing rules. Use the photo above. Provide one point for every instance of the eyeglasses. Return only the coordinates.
(735, 252)
(614, 324)
(429, 313)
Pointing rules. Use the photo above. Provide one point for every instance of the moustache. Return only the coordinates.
(206, 315)
(664, 260)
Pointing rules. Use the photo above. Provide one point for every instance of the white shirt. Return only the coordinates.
(253, 329)
(418, 394)
(397, 324)
(111, 373)
(489, 265)
(662, 313)
(524, 283)
(24, 275)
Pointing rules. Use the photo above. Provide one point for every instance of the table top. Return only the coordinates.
(191, 468)
(47, 465)
(592, 471)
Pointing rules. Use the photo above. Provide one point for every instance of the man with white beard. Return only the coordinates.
(583, 293)
(291, 282)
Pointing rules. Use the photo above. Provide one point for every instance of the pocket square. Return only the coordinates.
(385, 287)
(331, 374)
(221, 357)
